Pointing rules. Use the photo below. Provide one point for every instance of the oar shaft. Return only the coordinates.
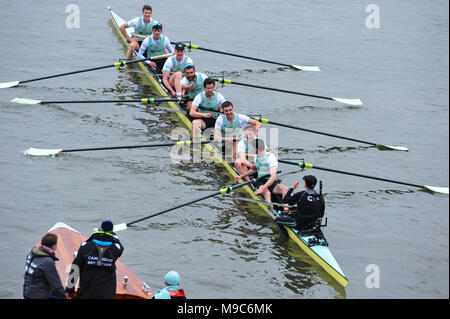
(222, 191)
(302, 164)
(225, 81)
(190, 46)
(262, 120)
(96, 101)
(144, 100)
(181, 143)
(173, 208)
(67, 73)
(367, 176)
(117, 64)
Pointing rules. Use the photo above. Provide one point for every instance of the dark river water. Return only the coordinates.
(397, 64)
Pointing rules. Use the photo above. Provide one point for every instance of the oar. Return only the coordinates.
(293, 66)
(148, 100)
(261, 202)
(116, 64)
(223, 190)
(139, 36)
(52, 152)
(377, 145)
(337, 99)
(442, 190)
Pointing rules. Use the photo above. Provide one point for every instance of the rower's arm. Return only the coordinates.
(195, 114)
(218, 135)
(185, 85)
(124, 32)
(243, 158)
(142, 50)
(166, 81)
(256, 124)
(272, 179)
(248, 173)
(168, 46)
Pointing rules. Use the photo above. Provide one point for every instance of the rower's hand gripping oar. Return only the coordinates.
(337, 99)
(223, 190)
(293, 66)
(436, 189)
(379, 146)
(116, 64)
(53, 152)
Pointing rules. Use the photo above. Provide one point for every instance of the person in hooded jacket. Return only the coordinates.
(41, 279)
(95, 266)
(172, 289)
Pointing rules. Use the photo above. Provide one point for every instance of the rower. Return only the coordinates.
(205, 108)
(246, 153)
(142, 29)
(310, 205)
(173, 68)
(228, 128)
(154, 45)
(192, 84)
(265, 163)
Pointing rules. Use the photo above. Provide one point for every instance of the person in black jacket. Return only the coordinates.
(310, 205)
(95, 266)
(41, 279)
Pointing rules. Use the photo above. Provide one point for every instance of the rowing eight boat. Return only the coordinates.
(313, 243)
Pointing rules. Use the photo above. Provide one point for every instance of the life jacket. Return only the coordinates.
(144, 29)
(231, 129)
(177, 294)
(262, 165)
(209, 105)
(198, 86)
(178, 67)
(249, 150)
(155, 49)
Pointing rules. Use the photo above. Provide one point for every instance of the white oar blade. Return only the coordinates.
(42, 152)
(392, 148)
(6, 85)
(25, 101)
(348, 101)
(435, 189)
(305, 68)
(119, 227)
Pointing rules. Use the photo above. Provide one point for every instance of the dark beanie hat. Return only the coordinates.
(107, 226)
